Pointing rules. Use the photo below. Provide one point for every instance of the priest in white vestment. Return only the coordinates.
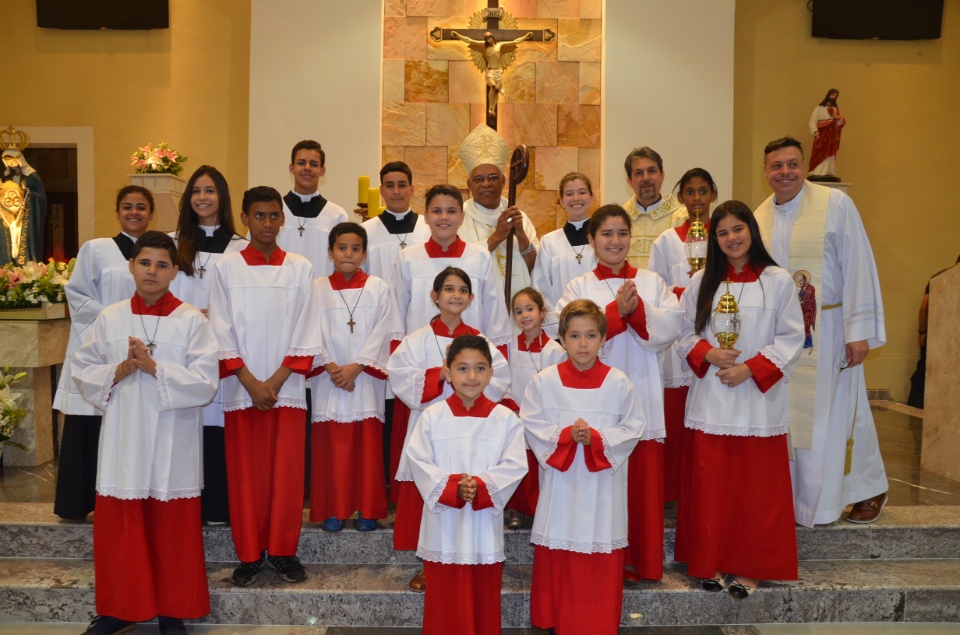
(817, 229)
(488, 219)
(651, 213)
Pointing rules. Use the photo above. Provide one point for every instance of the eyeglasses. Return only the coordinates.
(490, 178)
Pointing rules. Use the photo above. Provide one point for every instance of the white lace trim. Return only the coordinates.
(162, 387)
(579, 546)
(283, 402)
(501, 341)
(654, 435)
(349, 417)
(403, 475)
(107, 386)
(373, 363)
(418, 383)
(149, 492)
(233, 354)
(778, 361)
(677, 383)
(433, 501)
(313, 351)
(431, 555)
(727, 430)
(552, 447)
(608, 453)
(498, 502)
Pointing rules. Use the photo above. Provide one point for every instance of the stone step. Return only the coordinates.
(61, 590)
(30, 530)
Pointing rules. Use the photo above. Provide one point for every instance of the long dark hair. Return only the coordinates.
(826, 100)
(715, 268)
(188, 224)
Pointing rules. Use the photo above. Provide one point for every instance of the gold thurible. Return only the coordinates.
(696, 245)
(726, 320)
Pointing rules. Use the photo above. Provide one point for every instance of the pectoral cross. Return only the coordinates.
(490, 18)
(202, 270)
(300, 229)
(579, 257)
(403, 244)
(351, 324)
(150, 347)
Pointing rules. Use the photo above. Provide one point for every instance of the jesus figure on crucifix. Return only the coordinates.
(492, 58)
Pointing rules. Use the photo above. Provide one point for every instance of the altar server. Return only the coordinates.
(149, 364)
(261, 308)
(396, 227)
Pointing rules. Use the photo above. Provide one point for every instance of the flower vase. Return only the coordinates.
(167, 190)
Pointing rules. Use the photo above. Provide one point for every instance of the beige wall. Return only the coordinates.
(187, 85)
(899, 148)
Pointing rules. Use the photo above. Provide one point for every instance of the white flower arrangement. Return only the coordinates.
(10, 414)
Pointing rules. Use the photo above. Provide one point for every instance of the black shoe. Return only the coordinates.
(740, 590)
(106, 625)
(248, 572)
(288, 567)
(170, 625)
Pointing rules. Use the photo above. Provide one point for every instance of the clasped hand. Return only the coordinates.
(581, 432)
(510, 218)
(628, 299)
(467, 488)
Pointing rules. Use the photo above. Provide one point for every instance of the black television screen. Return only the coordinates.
(103, 14)
(877, 19)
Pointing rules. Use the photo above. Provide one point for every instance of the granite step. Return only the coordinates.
(30, 530)
(885, 590)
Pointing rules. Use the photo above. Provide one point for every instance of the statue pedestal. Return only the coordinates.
(167, 190)
(33, 346)
(843, 186)
(941, 418)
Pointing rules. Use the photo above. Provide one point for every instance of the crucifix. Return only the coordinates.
(202, 270)
(351, 324)
(492, 48)
(150, 347)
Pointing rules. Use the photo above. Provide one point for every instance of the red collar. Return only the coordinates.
(536, 346)
(627, 271)
(163, 307)
(356, 282)
(749, 273)
(482, 407)
(434, 250)
(253, 257)
(593, 377)
(683, 229)
(439, 328)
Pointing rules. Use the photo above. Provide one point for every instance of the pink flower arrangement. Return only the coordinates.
(159, 160)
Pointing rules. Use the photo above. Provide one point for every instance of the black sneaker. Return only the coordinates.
(170, 625)
(106, 625)
(288, 567)
(248, 572)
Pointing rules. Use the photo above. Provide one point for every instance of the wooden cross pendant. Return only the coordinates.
(202, 270)
(150, 348)
(300, 229)
(579, 257)
(351, 324)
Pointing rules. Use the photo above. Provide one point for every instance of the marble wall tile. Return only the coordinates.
(589, 164)
(537, 51)
(393, 79)
(447, 124)
(552, 163)
(591, 9)
(558, 8)
(536, 124)
(404, 38)
(426, 81)
(505, 121)
(390, 153)
(404, 124)
(590, 83)
(520, 82)
(579, 40)
(934, 605)
(395, 8)
(442, 7)
(466, 83)
(456, 173)
(578, 126)
(540, 206)
(558, 82)
(520, 8)
(428, 164)
(448, 49)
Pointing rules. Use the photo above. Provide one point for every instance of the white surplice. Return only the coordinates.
(314, 243)
(479, 222)
(556, 266)
(384, 247)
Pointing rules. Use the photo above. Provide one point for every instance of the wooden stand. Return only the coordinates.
(941, 418)
(34, 346)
